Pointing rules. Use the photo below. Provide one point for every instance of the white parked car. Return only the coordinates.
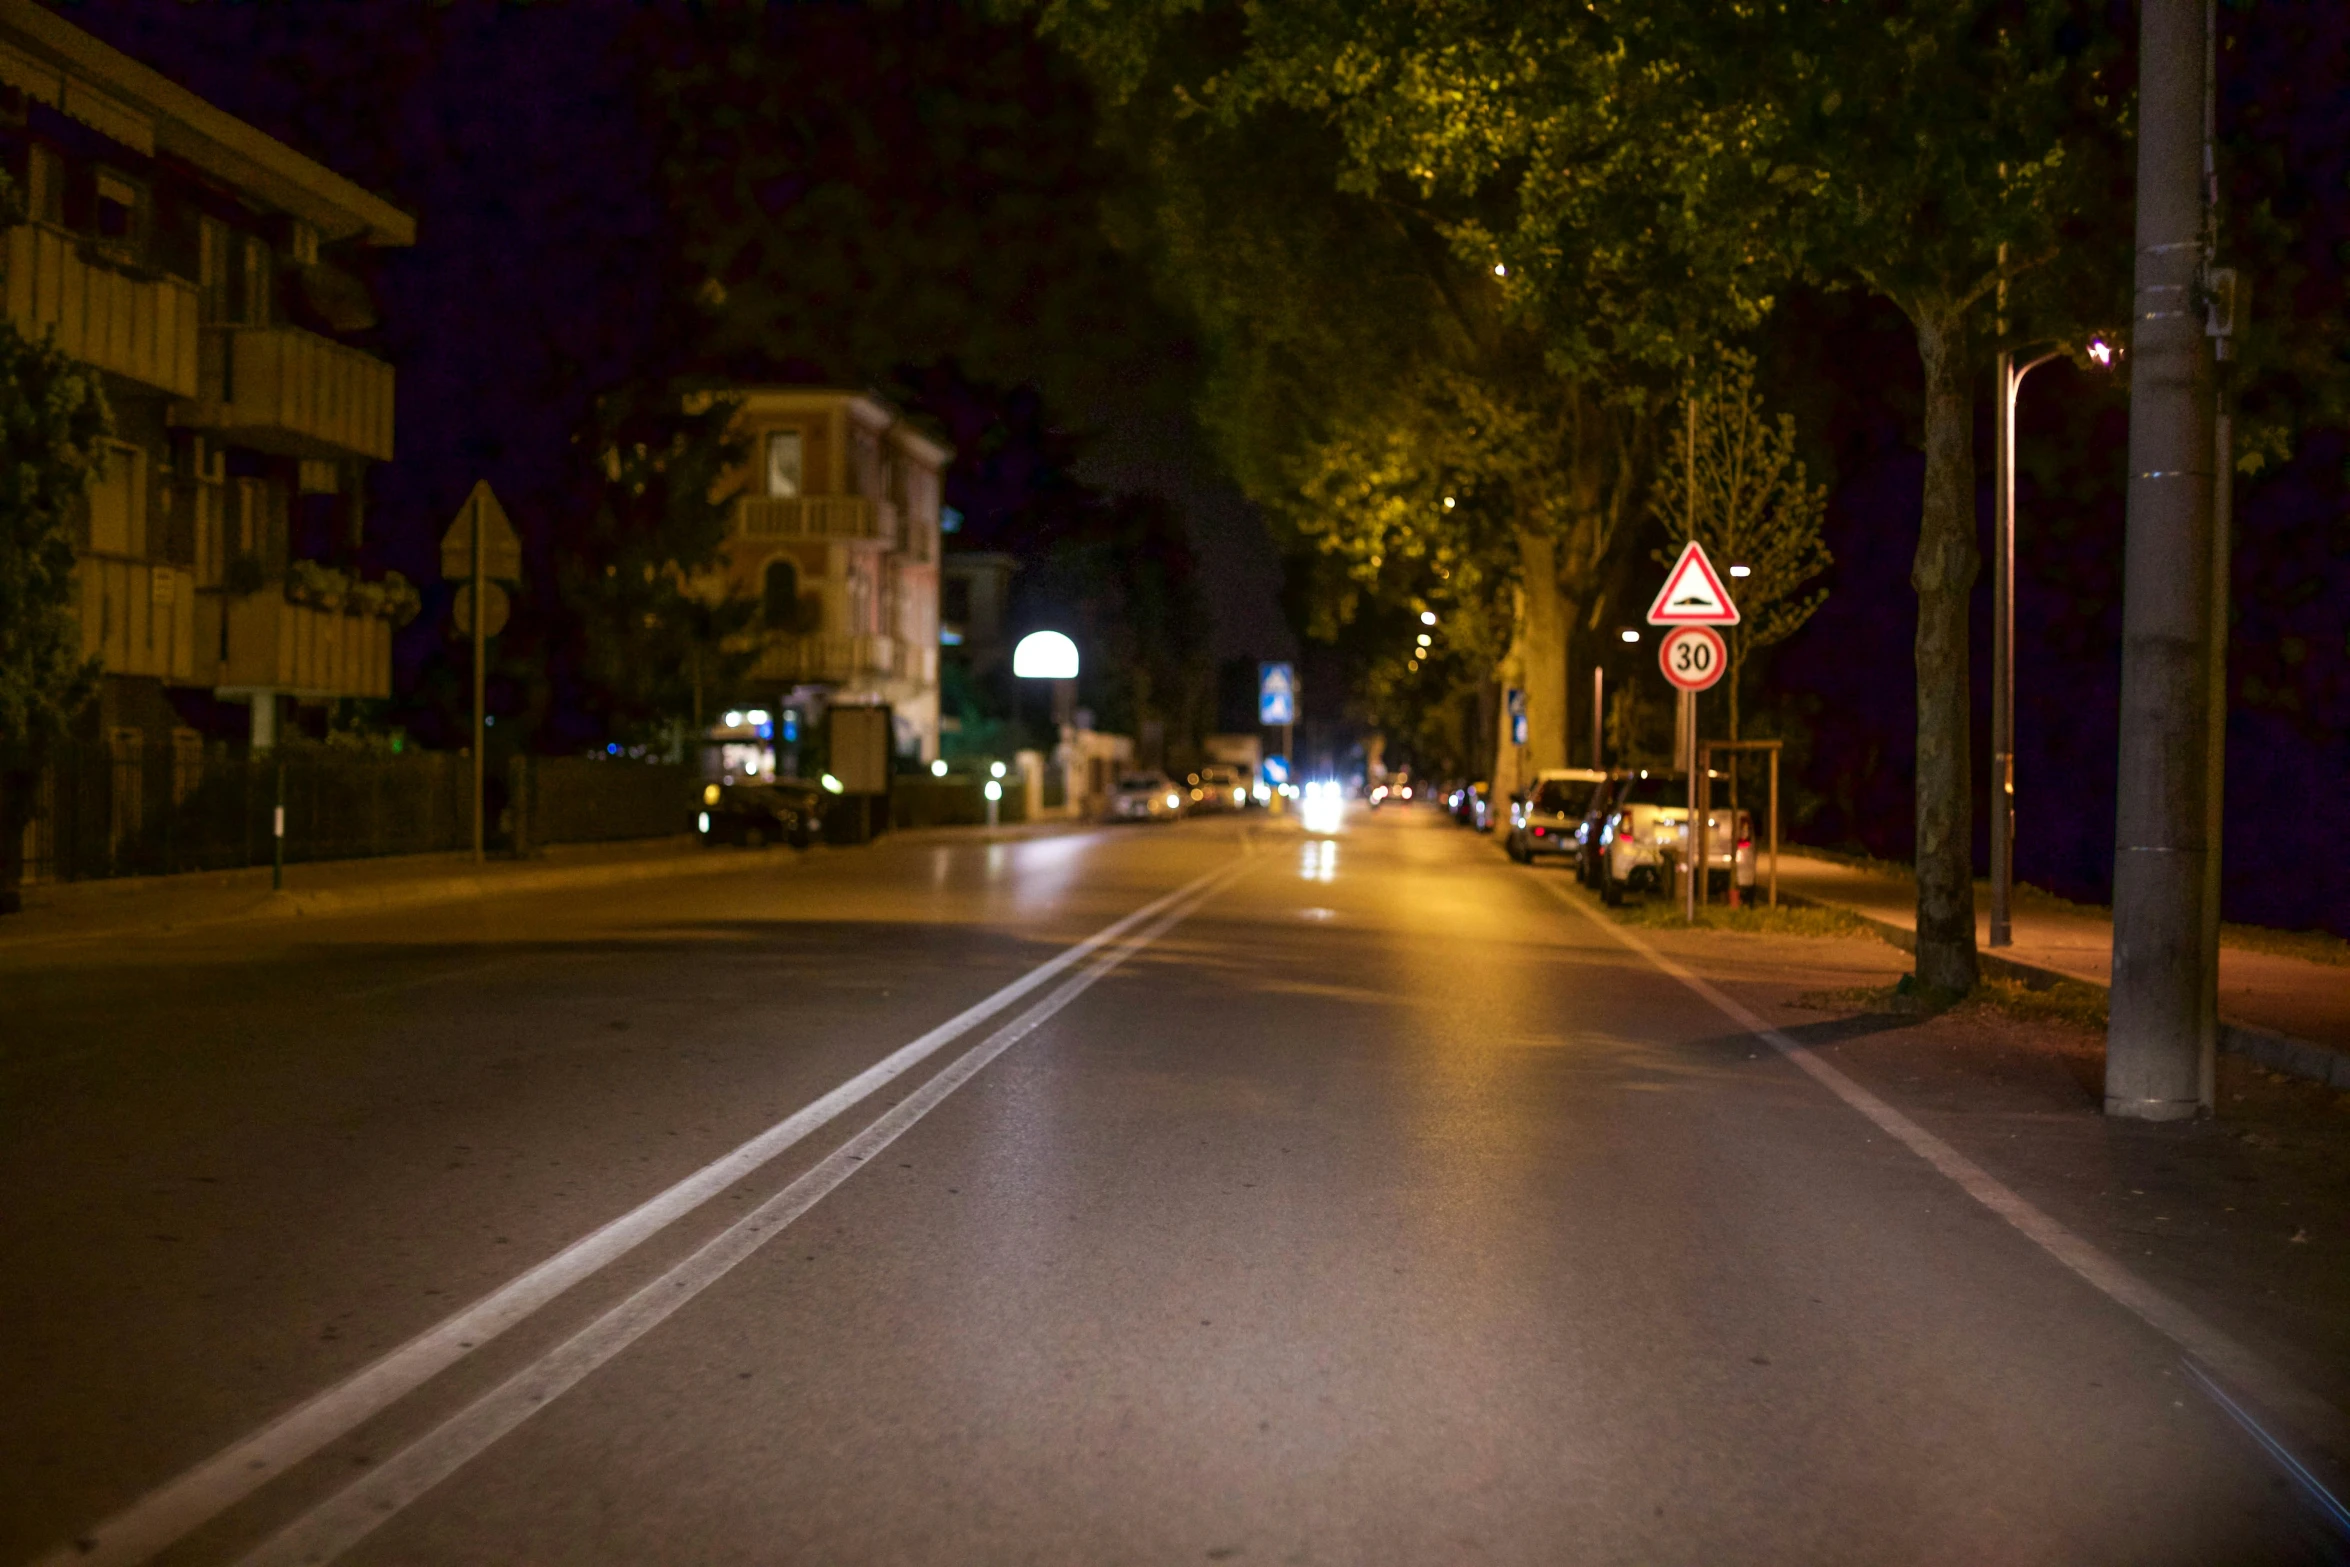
(1146, 797)
(1646, 832)
(1548, 818)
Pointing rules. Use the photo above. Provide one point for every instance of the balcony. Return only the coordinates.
(849, 517)
(140, 328)
(138, 618)
(281, 389)
(270, 644)
(825, 660)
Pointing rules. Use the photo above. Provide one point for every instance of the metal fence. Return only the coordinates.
(103, 810)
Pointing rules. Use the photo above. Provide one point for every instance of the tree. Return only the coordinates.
(53, 425)
(661, 634)
(1670, 163)
(1730, 479)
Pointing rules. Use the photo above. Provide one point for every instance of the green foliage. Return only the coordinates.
(860, 189)
(53, 425)
(661, 633)
(1730, 479)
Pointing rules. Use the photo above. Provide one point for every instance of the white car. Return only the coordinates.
(1146, 797)
(1646, 832)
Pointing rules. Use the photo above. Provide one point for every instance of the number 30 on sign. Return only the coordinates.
(1693, 656)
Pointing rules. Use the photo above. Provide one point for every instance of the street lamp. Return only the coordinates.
(2009, 380)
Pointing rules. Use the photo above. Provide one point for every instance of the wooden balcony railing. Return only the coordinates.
(293, 392)
(815, 517)
(141, 328)
(138, 618)
(833, 660)
(271, 644)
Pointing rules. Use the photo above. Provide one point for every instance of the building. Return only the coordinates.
(835, 533)
(195, 264)
(974, 609)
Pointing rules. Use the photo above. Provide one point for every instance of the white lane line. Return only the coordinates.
(345, 1518)
(181, 1505)
(2269, 1387)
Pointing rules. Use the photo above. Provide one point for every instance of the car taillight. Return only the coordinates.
(1539, 831)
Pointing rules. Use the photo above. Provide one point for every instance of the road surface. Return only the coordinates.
(1192, 1194)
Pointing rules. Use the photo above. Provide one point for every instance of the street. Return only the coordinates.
(1366, 1199)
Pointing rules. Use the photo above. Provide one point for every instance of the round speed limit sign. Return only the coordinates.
(1693, 656)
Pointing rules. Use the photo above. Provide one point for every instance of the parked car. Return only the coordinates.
(756, 815)
(1646, 830)
(1548, 818)
(1146, 797)
(1217, 787)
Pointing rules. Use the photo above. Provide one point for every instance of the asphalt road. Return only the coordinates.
(1359, 1202)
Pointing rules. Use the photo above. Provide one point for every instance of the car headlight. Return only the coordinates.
(705, 822)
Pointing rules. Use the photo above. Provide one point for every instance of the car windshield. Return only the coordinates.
(1653, 789)
(1142, 781)
(1562, 797)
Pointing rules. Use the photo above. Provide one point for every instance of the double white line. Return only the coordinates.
(174, 1510)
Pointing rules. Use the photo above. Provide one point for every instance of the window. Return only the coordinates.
(212, 270)
(116, 516)
(783, 464)
(779, 596)
(45, 185)
(118, 211)
(251, 281)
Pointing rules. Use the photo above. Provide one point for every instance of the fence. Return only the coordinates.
(111, 810)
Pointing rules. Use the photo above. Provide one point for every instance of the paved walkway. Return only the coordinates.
(2299, 998)
(88, 910)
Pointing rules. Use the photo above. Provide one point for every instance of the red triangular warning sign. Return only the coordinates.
(1693, 595)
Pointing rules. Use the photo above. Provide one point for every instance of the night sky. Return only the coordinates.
(518, 135)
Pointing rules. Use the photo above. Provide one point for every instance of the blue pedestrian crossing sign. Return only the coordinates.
(1276, 694)
(1276, 770)
(1517, 711)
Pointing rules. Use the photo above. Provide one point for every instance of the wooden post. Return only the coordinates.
(1774, 826)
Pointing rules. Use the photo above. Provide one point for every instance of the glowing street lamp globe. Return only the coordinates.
(1045, 655)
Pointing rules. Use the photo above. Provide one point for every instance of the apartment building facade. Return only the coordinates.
(835, 533)
(201, 268)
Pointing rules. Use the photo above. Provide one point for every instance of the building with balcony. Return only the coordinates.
(206, 272)
(835, 533)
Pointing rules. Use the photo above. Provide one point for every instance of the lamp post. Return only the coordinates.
(1050, 655)
(2009, 379)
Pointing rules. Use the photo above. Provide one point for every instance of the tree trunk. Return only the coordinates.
(1510, 675)
(17, 785)
(1943, 575)
(1543, 652)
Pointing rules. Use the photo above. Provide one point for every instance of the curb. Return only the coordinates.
(2300, 1058)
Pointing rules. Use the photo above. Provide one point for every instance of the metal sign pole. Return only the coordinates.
(1774, 826)
(1689, 828)
(480, 641)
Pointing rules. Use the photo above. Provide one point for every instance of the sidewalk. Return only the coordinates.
(2289, 1013)
(134, 905)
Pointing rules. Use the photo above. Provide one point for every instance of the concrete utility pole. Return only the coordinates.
(2157, 1050)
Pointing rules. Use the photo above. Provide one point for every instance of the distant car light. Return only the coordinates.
(1174, 802)
(995, 769)
(1239, 796)
(831, 784)
(995, 791)
(938, 769)
(704, 825)
(1407, 791)
(709, 797)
